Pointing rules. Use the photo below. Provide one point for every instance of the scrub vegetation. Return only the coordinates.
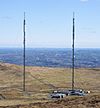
(40, 81)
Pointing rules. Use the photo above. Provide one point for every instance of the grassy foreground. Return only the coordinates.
(40, 81)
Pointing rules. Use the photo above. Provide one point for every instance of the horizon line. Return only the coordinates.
(53, 47)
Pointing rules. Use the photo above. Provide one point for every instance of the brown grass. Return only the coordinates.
(40, 81)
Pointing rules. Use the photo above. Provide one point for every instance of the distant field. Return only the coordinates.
(40, 81)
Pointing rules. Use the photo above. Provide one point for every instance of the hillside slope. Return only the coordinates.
(40, 81)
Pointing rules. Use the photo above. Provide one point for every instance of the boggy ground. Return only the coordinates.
(40, 81)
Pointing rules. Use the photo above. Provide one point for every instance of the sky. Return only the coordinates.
(49, 23)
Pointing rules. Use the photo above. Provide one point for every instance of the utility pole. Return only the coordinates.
(73, 53)
(24, 54)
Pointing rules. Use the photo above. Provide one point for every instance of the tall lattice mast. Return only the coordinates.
(73, 52)
(24, 53)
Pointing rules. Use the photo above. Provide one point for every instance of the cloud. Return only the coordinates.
(84, 0)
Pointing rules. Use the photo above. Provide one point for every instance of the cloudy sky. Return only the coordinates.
(49, 23)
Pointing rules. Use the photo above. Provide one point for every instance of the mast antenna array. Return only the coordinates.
(73, 65)
(24, 23)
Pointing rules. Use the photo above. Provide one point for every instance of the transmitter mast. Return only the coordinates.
(24, 45)
(73, 64)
